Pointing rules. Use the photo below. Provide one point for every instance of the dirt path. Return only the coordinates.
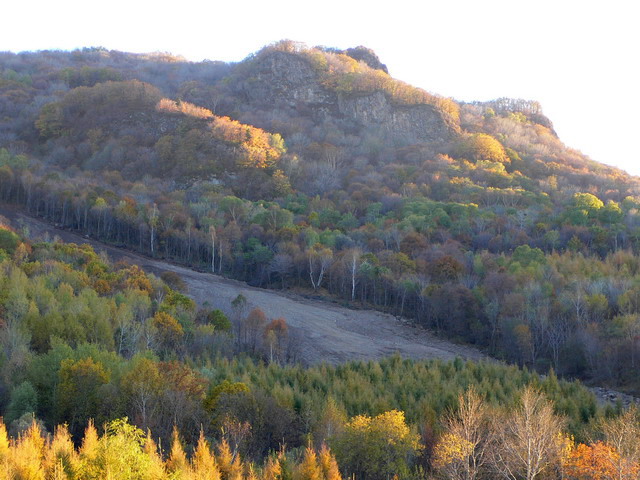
(326, 332)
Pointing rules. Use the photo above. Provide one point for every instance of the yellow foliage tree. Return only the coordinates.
(308, 469)
(229, 464)
(480, 146)
(156, 469)
(378, 447)
(121, 452)
(272, 469)
(61, 458)
(177, 463)
(203, 462)
(28, 454)
(451, 454)
(89, 453)
(328, 464)
(4, 442)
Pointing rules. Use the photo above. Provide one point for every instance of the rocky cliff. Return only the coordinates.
(290, 80)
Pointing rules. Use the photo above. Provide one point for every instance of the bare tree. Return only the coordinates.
(212, 234)
(354, 259)
(319, 260)
(463, 449)
(526, 439)
(622, 433)
(557, 332)
(282, 264)
(153, 224)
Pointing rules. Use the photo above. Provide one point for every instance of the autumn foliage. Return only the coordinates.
(125, 452)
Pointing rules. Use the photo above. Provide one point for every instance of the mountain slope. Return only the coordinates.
(313, 169)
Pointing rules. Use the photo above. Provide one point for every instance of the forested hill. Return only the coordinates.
(313, 168)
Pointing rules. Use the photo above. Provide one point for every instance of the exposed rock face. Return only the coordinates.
(289, 80)
(285, 78)
(407, 124)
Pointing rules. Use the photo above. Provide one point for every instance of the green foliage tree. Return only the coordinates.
(79, 394)
(24, 399)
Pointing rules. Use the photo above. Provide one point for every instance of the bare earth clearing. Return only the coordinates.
(326, 332)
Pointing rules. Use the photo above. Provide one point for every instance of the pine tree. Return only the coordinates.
(89, 454)
(177, 463)
(156, 464)
(28, 454)
(328, 464)
(5, 468)
(203, 462)
(272, 469)
(228, 463)
(4, 442)
(61, 458)
(308, 469)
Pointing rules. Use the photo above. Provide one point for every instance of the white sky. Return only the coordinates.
(578, 58)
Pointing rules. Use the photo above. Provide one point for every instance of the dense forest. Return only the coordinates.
(311, 170)
(86, 342)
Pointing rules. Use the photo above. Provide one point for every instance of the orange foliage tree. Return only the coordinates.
(592, 462)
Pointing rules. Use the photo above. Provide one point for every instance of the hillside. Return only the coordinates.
(323, 333)
(313, 169)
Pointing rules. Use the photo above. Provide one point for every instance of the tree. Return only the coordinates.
(4, 443)
(153, 225)
(308, 469)
(90, 452)
(61, 459)
(353, 263)
(328, 464)
(177, 463)
(593, 462)
(282, 264)
(330, 423)
(228, 463)
(27, 454)
(79, 391)
(142, 386)
(463, 449)
(319, 260)
(24, 399)
(9, 240)
(276, 335)
(169, 331)
(219, 320)
(526, 438)
(213, 235)
(121, 454)
(252, 328)
(622, 434)
(378, 447)
(203, 463)
(480, 146)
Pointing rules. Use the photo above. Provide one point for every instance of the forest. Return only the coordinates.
(133, 381)
(313, 171)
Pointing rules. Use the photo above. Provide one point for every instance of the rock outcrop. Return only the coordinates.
(406, 124)
(289, 80)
